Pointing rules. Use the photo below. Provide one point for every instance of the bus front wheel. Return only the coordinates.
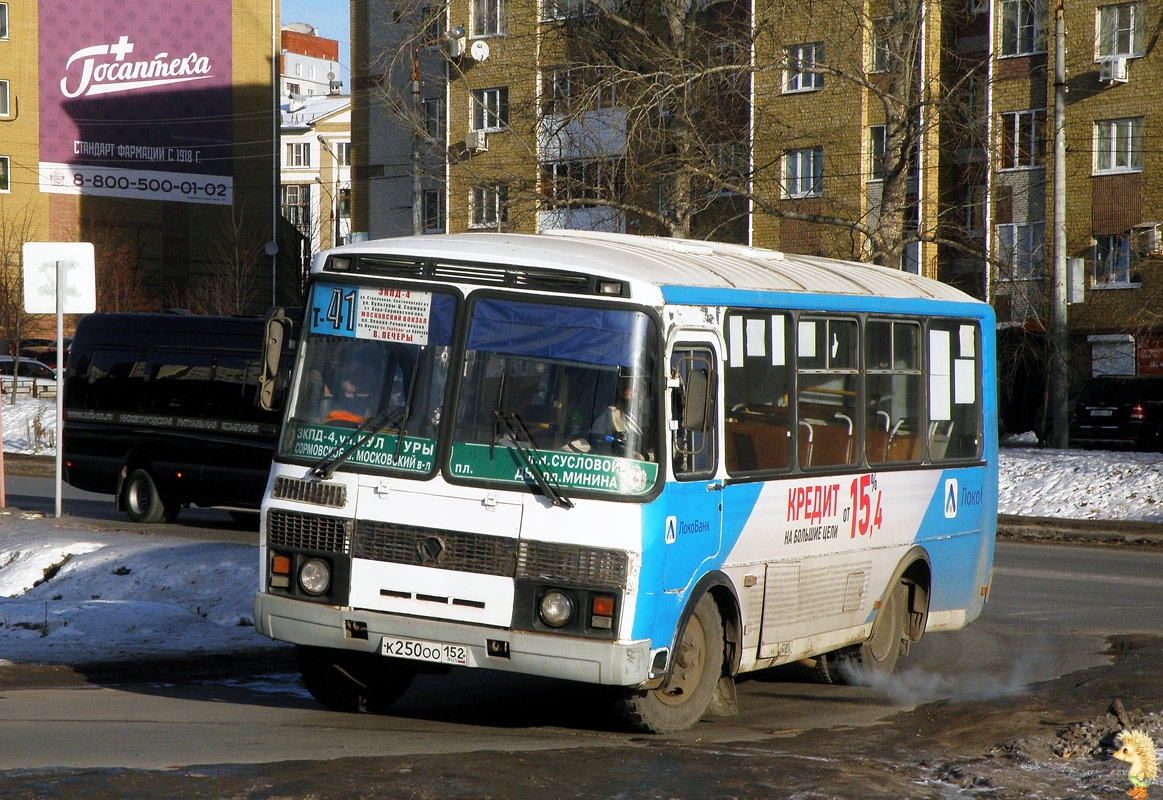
(143, 503)
(352, 681)
(697, 666)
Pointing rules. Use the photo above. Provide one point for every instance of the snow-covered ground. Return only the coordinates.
(71, 594)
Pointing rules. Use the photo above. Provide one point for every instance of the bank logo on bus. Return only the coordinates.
(950, 498)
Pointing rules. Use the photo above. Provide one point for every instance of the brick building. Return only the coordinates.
(148, 135)
(817, 132)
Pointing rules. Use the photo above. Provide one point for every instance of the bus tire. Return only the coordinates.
(141, 501)
(697, 666)
(352, 681)
(876, 656)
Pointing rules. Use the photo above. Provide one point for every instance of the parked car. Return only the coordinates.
(27, 368)
(1119, 412)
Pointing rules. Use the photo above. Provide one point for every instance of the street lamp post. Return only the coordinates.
(333, 191)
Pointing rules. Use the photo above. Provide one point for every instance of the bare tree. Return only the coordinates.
(230, 283)
(673, 123)
(17, 226)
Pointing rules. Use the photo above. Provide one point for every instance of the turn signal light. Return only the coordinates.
(1138, 413)
(602, 608)
(281, 565)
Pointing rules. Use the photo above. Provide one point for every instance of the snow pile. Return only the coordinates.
(1080, 484)
(29, 425)
(68, 595)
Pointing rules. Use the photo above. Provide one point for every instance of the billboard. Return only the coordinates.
(136, 99)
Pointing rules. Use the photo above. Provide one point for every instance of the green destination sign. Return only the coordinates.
(570, 470)
(323, 441)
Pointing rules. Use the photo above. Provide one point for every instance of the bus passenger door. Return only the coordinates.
(695, 496)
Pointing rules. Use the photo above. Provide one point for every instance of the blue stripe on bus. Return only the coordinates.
(706, 296)
(658, 612)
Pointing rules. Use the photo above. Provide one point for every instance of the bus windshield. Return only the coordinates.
(559, 393)
(371, 383)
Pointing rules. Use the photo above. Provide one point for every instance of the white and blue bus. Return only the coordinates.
(652, 464)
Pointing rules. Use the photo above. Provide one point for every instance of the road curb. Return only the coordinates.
(1132, 533)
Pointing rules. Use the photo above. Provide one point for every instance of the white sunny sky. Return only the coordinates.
(333, 19)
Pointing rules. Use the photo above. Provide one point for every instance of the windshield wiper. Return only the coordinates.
(407, 407)
(325, 466)
(545, 481)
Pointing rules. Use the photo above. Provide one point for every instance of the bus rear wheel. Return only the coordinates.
(876, 656)
(143, 503)
(353, 681)
(697, 666)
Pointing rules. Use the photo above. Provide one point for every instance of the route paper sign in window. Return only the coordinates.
(386, 315)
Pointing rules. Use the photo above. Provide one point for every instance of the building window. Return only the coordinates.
(876, 168)
(879, 45)
(298, 154)
(345, 201)
(295, 204)
(1118, 145)
(1121, 30)
(1112, 259)
(803, 172)
(800, 73)
(490, 109)
(581, 183)
(433, 211)
(973, 209)
(3, 20)
(567, 9)
(730, 59)
(490, 206)
(343, 153)
(1023, 248)
(3, 98)
(576, 88)
(1021, 28)
(4, 182)
(1023, 139)
(294, 88)
(488, 17)
(433, 109)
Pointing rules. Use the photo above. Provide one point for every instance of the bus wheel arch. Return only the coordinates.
(902, 613)
(703, 658)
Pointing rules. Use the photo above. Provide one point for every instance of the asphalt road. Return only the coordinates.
(1050, 612)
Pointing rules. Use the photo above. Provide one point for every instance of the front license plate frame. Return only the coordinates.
(427, 651)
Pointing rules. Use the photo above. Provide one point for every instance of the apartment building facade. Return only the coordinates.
(921, 141)
(315, 175)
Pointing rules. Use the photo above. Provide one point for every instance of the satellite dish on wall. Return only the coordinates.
(479, 50)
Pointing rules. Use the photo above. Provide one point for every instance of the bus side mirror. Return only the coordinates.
(275, 336)
(694, 407)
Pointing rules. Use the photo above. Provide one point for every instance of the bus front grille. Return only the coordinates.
(489, 555)
(333, 495)
(565, 563)
(309, 532)
(430, 547)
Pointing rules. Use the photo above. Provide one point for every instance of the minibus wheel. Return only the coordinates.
(141, 501)
(351, 680)
(697, 665)
(877, 655)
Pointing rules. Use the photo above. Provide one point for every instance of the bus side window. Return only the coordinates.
(827, 390)
(694, 433)
(757, 383)
(892, 391)
(955, 427)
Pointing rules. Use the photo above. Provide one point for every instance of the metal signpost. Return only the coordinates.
(59, 277)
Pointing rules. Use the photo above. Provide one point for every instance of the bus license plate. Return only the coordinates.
(434, 652)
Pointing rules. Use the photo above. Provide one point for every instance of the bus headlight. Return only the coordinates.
(556, 608)
(315, 576)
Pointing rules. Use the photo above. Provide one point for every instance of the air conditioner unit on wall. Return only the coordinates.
(1147, 238)
(476, 141)
(1113, 69)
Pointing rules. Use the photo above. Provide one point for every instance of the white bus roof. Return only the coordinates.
(648, 261)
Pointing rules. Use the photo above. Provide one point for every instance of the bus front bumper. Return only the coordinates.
(565, 657)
